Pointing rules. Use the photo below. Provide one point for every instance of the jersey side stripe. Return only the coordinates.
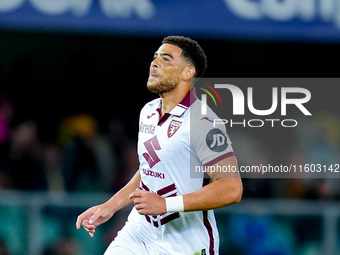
(208, 225)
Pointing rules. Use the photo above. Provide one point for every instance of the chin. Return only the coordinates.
(152, 87)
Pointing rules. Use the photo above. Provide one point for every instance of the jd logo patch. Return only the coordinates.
(216, 140)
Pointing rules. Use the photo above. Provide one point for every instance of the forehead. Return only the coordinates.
(171, 49)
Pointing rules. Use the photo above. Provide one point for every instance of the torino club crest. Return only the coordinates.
(173, 127)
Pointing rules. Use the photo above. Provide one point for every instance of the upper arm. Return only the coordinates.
(225, 168)
(226, 173)
(223, 191)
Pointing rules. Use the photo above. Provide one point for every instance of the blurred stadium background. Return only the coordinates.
(72, 83)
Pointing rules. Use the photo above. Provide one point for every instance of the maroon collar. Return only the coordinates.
(185, 104)
(180, 108)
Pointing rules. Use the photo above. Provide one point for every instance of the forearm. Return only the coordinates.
(121, 198)
(220, 193)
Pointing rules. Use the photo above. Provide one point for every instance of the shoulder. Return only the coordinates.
(204, 121)
(152, 105)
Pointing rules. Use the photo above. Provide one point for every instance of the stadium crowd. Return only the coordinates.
(82, 159)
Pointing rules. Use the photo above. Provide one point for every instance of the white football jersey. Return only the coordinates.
(168, 148)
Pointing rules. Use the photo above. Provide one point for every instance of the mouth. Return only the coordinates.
(153, 75)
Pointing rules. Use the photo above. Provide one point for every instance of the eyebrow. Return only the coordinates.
(163, 54)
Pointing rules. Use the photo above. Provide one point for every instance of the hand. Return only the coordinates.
(148, 203)
(93, 217)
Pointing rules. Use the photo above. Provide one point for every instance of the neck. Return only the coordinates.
(173, 98)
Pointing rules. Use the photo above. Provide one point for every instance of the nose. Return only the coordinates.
(154, 63)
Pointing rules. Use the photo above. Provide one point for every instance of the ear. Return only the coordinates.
(189, 72)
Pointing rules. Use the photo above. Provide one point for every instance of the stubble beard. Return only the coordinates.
(165, 86)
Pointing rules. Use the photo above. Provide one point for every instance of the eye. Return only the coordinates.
(166, 59)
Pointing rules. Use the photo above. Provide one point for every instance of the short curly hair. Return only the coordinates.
(191, 52)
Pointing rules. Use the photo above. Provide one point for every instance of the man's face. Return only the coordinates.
(165, 69)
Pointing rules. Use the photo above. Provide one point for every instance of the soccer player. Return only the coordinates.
(172, 211)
